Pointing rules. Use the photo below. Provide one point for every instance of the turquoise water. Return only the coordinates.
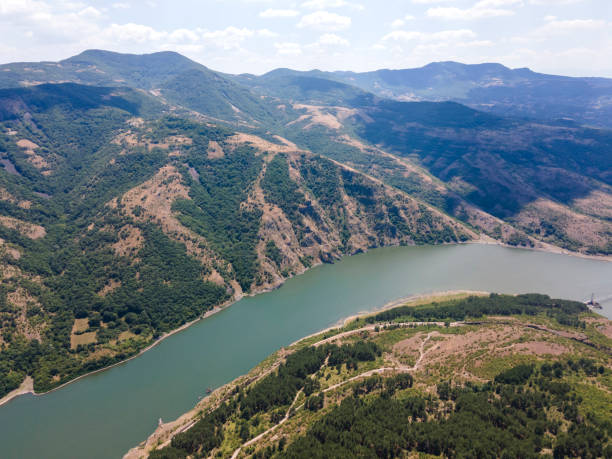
(103, 415)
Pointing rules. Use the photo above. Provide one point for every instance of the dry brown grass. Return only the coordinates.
(21, 299)
(214, 150)
(582, 228)
(82, 339)
(25, 228)
(135, 122)
(123, 336)
(130, 241)
(154, 199)
(33, 158)
(129, 139)
(261, 144)
(330, 117)
(5, 195)
(540, 348)
(110, 287)
(598, 203)
(80, 325)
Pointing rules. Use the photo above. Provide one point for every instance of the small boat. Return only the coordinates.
(592, 303)
(208, 390)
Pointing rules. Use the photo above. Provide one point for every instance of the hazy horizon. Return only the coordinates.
(563, 37)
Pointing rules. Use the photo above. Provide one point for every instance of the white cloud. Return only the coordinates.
(324, 20)
(554, 2)
(131, 32)
(288, 49)
(90, 12)
(398, 23)
(331, 39)
(430, 2)
(228, 38)
(276, 13)
(266, 33)
(482, 9)
(554, 26)
(183, 35)
(324, 4)
(121, 6)
(21, 7)
(444, 35)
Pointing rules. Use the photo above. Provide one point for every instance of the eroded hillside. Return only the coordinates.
(121, 223)
(464, 375)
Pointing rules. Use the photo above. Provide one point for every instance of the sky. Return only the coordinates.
(567, 37)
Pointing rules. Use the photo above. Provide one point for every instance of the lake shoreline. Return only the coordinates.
(545, 247)
(184, 419)
(23, 390)
(407, 300)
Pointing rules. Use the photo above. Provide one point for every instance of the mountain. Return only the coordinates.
(139, 192)
(462, 376)
(311, 87)
(488, 87)
(169, 75)
(120, 222)
(514, 179)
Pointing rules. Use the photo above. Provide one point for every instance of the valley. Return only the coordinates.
(142, 193)
(169, 379)
(310, 398)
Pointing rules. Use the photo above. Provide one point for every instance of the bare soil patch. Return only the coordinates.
(82, 339)
(260, 144)
(80, 325)
(154, 199)
(130, 241)
(33, 158)
(541, 348)
(110, 287)
(214, 150)
(25, 228)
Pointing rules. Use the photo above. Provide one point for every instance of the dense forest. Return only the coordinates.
(127, 211)
(499, 419)
(342, 398)
(121, 222)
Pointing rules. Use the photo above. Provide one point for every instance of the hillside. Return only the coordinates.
(468, 376)
(121, 222)
(489, 87)
(181, 82)
(138, 193)
(520, 182)
(525, 183)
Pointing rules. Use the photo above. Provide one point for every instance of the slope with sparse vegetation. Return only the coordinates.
(472, 376)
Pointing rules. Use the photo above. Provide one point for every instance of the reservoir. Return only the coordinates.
(105, 414)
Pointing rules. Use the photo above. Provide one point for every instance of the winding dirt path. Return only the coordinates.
(271, 429)
(422, 354)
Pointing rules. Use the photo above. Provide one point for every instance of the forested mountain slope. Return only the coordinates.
(120, 222)
(489, 87)
(525, 183)
(168, 75)
(520, 182)
(139, 192)
(462, 376)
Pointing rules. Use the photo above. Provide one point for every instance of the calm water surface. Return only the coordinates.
(105, 414)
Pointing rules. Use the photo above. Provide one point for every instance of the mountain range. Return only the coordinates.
(139, 192)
